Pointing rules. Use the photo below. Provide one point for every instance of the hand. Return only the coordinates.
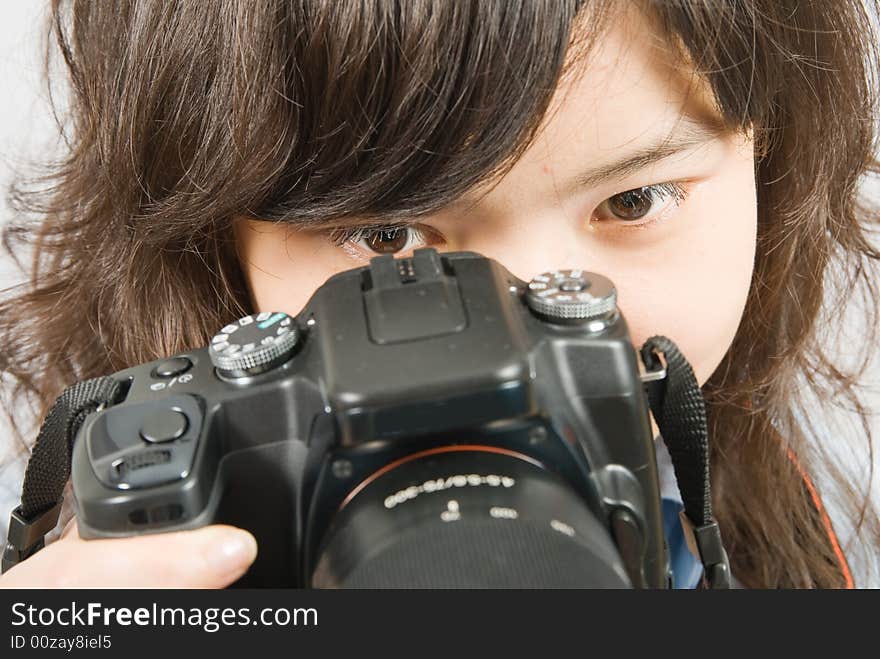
(209, 557)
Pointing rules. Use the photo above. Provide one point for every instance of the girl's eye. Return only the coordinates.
(641, 206)
(370, 241)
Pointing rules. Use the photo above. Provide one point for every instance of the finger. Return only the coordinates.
(69, 528)
(209, 557)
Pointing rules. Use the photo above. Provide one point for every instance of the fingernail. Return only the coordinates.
(233, 550)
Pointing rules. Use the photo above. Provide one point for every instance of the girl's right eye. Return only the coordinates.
(366, 242)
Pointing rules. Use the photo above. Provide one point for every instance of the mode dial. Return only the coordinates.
(254, 344)
(571, 296)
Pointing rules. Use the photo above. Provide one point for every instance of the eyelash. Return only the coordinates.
(343, 236)
(671, 191)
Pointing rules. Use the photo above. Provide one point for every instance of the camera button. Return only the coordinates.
(164, 426)
(171, 367)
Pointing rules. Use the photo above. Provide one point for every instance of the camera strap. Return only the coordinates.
(680, 412)
(676, 403)
(49, 467)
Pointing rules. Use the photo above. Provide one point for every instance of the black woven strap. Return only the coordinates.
(49, 466)
(680, 412)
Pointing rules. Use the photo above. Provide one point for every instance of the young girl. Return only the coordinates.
(226, 158)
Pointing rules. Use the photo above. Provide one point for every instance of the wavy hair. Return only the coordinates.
(183, 115)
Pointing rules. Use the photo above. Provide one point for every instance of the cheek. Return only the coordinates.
(696, 292)
(283, 269)
(288, 294)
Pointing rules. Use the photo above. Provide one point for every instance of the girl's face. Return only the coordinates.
(629, 177)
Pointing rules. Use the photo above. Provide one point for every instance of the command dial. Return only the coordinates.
(254, 344)
(571, 296)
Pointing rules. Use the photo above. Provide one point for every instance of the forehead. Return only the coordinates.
(630, 88)
(632, 81)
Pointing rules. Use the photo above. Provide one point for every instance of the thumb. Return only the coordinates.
(208, 557)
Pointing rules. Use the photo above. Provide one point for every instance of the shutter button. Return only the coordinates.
(171, 367)
(164, 426)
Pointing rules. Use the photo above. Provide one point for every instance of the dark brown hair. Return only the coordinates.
(184, 115)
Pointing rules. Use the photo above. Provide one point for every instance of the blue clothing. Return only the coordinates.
(686, 568)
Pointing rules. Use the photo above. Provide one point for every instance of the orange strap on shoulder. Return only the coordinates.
(826, 521)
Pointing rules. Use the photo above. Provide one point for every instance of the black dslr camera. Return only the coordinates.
(424, 422)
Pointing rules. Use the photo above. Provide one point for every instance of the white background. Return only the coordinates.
(27, 130)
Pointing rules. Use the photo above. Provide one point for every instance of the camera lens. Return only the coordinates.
(467, 517)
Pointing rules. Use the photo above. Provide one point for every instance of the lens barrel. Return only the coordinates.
(467, 517)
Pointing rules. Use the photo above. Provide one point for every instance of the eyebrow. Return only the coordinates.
(689, 133)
